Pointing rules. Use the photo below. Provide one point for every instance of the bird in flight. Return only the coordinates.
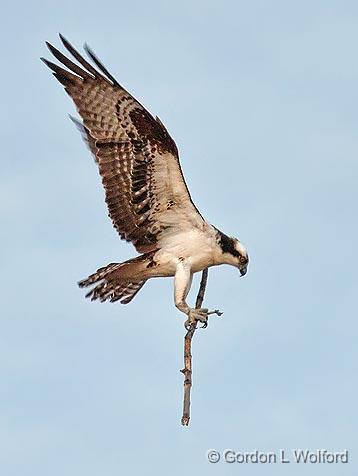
(147, 198)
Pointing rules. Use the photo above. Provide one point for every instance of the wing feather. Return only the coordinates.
(138, 160)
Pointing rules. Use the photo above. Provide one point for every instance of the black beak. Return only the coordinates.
(243, 271)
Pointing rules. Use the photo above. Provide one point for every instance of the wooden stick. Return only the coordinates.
(187, 370)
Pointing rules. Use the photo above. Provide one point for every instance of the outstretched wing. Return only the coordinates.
(138, 161)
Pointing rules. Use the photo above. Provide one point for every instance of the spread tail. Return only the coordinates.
(119, 281)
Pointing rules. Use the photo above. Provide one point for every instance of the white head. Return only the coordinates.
(235, 251)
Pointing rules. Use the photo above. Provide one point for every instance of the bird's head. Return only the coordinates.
(234, 252)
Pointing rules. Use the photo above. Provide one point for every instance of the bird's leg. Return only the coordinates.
(182, 282)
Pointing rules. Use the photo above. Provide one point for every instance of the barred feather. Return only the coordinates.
(138, 161)
(120, 281)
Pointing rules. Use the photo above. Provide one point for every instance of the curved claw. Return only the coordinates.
(199, 315)
(196, 315)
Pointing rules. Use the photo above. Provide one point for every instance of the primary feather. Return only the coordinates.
(137, 159)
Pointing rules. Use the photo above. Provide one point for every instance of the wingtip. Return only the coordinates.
(99, 64)
(50, 47)
(90, 52)
(88, 49)
(49, 64)
(65, 42)
(44, 60)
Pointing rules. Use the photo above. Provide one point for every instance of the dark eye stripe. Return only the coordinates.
(227, 244)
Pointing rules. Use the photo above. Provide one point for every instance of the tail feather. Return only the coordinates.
(112, 292)
(100, 274)
(119, 281)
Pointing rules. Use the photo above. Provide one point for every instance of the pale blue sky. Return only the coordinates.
(261, 98)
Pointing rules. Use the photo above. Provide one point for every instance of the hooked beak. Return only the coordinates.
(243, 270)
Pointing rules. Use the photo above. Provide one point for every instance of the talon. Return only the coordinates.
(190, 322)
(199, 315)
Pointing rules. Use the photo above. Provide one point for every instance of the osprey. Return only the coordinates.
(145, 191)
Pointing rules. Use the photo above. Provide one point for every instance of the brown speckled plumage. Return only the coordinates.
(130, 147)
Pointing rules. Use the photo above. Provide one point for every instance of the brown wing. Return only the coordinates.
(138, 160)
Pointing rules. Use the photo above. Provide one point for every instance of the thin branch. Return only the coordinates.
(200, 296)
(187, 370)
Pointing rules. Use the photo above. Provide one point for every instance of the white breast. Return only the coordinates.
(199, 247)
